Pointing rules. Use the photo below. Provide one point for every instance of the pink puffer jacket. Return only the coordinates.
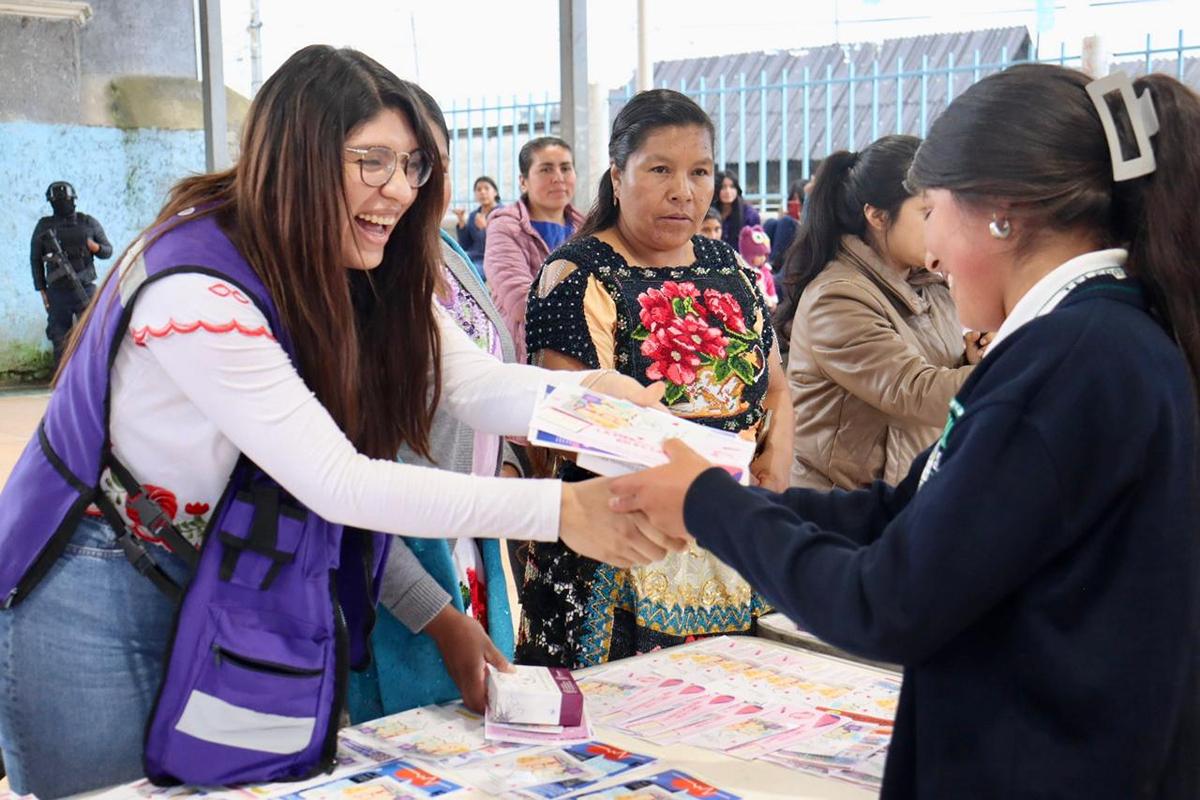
(514, 255)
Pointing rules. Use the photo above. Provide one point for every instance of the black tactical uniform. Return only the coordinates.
(66, 296)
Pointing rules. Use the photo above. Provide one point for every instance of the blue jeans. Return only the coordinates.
(80, 663)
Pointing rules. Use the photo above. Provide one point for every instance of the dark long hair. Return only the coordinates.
(366, 341)
(645, 113)
(738, 212)
(1031, 137)
(844, 184)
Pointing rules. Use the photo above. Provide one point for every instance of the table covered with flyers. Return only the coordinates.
(728, 717)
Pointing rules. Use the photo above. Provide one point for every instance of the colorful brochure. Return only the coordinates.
(606, 758)
(444, 736)
(507, 775)
(618, 436)
(670, 785)
(396, 780)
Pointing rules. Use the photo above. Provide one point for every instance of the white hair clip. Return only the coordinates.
(1142, 117)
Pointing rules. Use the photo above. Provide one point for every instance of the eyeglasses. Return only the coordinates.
(377, 165)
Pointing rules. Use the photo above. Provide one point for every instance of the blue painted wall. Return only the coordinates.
(122, 177)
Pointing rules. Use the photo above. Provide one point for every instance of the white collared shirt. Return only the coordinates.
(1047, 293)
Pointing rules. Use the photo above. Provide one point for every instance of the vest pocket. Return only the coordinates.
(259, 536)
(257, 689)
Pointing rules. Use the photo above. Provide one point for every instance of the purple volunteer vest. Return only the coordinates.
(281, 602)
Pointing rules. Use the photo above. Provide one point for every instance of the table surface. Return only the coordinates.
(752, 780)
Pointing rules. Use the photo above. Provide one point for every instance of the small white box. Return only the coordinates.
(534, 696)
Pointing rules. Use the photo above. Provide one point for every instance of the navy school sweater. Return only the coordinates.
(1040, 588)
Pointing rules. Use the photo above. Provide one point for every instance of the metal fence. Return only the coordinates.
(775, 132)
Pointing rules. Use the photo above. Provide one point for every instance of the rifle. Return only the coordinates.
(62, 266)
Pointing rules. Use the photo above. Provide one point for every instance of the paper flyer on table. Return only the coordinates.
(670, 785)
(609, 760)
(395, 780)
(611, 431)
(609, 690)
(445, 736)
(506, 775)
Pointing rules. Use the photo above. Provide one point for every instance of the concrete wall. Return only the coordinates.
(139, 38)
(39, 69)
(122, 177)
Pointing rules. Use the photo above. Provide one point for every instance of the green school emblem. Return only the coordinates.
(935, 458)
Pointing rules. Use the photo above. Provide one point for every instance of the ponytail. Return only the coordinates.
(1156, 215)
(844, 184)
(825, 221)
(603, 213)
(1047, 154)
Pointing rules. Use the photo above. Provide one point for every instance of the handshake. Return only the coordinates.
(635, 518)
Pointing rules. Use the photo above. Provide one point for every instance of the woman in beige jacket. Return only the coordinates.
(876, 349)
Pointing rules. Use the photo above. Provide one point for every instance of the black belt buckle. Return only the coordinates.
(150, 513)
(135, 553)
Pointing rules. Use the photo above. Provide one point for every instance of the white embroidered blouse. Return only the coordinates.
(199, 378)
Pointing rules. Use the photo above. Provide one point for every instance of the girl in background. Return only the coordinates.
(876, 348)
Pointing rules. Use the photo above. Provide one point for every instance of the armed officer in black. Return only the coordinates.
(62, 255)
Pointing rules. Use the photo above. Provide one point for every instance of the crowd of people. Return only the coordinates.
(969, 365)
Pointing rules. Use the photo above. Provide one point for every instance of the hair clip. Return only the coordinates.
(1142, 117)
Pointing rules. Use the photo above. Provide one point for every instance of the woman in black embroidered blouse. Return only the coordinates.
(638, 291)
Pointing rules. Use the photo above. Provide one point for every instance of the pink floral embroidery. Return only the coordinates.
(224, 290)
(140, 335)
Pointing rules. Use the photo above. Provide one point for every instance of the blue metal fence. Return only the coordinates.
(773, 132)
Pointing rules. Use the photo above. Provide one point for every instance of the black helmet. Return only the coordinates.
(60, 190)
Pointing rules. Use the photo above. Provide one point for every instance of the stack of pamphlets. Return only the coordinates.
(614, 437)
(534, 705)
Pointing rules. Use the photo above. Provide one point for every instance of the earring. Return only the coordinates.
(615, 200)
(999, 228)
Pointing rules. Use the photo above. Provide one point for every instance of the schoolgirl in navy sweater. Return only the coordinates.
(1038, 571)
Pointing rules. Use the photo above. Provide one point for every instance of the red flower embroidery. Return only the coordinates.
(196, 509)
(659, 307)
(677, 348)
(165, 500)
(478, 600)
(725, 308)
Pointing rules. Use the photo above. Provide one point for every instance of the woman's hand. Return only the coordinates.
(466, 648)
(481, 221)
(626, 388)
(461, 215)
(656, 495)
(590, 527)
(771, 468)
(976, 343)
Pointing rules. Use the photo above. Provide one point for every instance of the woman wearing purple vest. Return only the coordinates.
(277, 320)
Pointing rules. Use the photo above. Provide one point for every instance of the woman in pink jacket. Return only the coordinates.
(521, 235)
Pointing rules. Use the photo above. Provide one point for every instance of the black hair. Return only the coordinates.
(1047, 160)
(712, 214)
(738, 212)
(490, 182)
(645, 113)
(797, 190)
(844, 184)
(535, 146)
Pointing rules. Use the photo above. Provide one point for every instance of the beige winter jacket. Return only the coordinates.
(875, 360)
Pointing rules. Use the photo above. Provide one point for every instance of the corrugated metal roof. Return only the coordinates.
(1170, 66)
(829, 69)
